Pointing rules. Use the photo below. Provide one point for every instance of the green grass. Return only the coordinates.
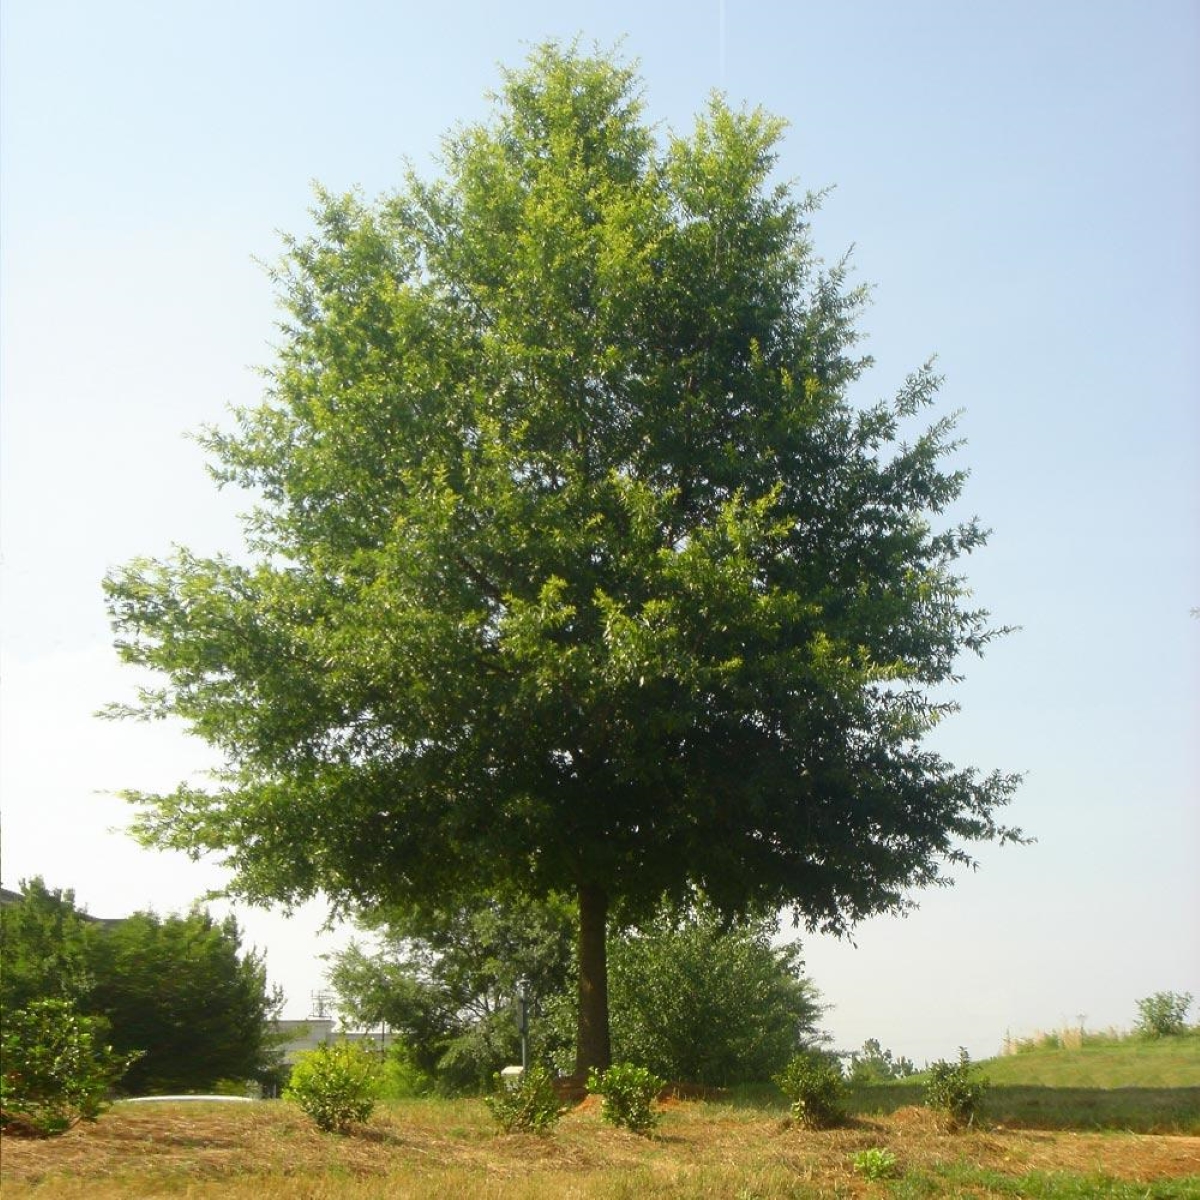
(1138, 1110)
(1104, 1063)
(956, 1179)
(1114, 1083)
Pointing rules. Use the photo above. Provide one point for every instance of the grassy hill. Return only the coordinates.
(1172, 1062)
(1104, 1083)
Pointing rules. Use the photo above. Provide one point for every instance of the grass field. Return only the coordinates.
(451, 1149)
(1118, 1120)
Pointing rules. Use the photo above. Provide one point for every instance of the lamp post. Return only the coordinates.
(523, 1021)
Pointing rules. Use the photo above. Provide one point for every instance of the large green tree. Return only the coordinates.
(181, 990)
(46, 947)
(573, 567)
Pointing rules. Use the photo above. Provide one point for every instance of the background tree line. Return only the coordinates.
(693, 997)
(179, 990)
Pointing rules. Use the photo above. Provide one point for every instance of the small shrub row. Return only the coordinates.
(814, 1084)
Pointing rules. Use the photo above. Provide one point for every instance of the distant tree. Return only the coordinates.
(46, 948)
(693, 997)
(697, 998)
(180, 990)
(575, 569)
(874, 1064)
(445, 982)
(1164, 1014)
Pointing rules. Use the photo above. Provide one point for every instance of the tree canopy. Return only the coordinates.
(181, 990)
(47, 946)
(574, 566)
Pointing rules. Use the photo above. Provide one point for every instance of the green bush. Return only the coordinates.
(953, 1093)
(813, 1082)
(694, 997)
(54, 1069)
(629, 1093)
(177, 993)
(336, 1084)
(1163, 1014)
(527, 1105)
(875, 1163)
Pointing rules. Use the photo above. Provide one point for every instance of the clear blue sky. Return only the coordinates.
(1021, 185)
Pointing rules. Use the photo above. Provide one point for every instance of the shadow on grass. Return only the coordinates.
(1138, 1110)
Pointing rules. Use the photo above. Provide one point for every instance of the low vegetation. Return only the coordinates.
(1072, 1059)
(813, 1084)
(55, 1069)
(336, 1084)
(451, 1148)
(526, 1105)
(875, 1163)
(1114, 1082)
(954, 1092)
(629, 1093)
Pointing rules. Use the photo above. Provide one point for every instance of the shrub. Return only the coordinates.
(1163, 1014)
(876, 1163)
(629, 1093)
(528, 1105)
(813, 1083)
(336, 1084)
(54, 1069)
(953, 1094)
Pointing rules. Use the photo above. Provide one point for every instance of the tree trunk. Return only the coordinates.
(592, 1049)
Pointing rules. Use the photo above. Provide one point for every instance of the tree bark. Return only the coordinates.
(592, 1048)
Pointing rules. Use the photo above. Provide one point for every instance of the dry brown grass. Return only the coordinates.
(452, 1150)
